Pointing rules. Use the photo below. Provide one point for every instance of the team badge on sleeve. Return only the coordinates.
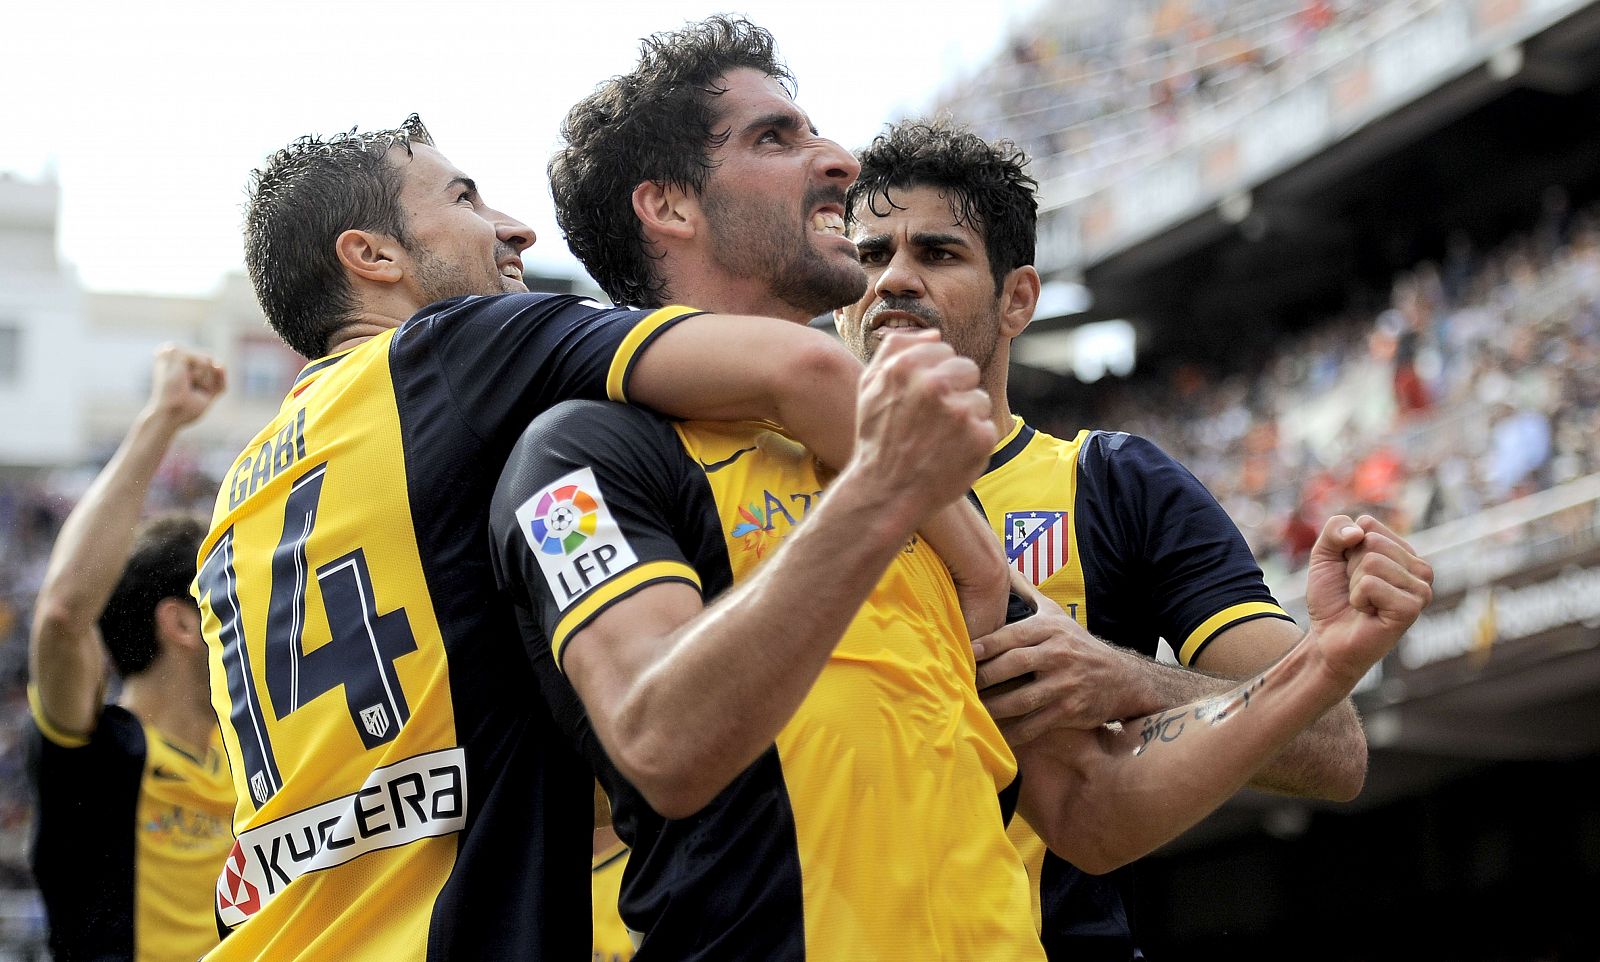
(1036, 543)
(574, 537)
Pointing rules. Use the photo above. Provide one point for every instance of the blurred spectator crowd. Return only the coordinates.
(1479, 383)
(1105, 86)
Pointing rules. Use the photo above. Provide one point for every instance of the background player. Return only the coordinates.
(133, 798)
(1106, 525)
(612, 940)
(376, 713)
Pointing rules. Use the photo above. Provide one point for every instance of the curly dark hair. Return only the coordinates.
(656, 124)
(988, 188)
(305, 196)
(162, 566)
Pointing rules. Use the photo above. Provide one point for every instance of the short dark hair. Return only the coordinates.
(988, 188)
(654, 124)
(162, 566)
(305, 196)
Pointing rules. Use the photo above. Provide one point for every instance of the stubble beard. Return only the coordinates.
(752, 241)
(438, 281)
(969, 343)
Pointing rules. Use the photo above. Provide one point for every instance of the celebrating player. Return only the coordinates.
(133, 797)
(1108, 527)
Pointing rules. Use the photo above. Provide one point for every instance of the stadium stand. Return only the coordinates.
(1480, 383)
(1101, 86)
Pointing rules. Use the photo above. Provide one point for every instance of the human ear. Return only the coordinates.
(1019, 298)
(370, 256)
(178, 623)
(665, 211)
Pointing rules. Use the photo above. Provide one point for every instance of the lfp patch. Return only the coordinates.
(1036, 543)
(573, 535)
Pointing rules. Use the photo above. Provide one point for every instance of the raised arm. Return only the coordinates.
(805, 380)
(684, 699)
(1076, 681)
(1103, 797)
(66, 660)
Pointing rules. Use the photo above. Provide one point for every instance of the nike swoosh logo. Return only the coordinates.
(719, 465)
(165, 775)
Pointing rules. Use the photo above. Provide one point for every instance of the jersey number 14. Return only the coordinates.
(359, 656)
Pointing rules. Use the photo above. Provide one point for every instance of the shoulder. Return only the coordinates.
(1124, 460)
(117, 732)
(475, 307)
(588, 438)
(591, 426)
(1122, 451)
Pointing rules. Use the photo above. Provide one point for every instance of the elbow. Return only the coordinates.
(674, 783)
(1348, 775)
(1353, 774)
(1087, 849)
(54, 620)
(1101, 863)
(1090, 836)
(817, 363)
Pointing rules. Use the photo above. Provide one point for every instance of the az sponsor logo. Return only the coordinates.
(757, 526)
(421, 797)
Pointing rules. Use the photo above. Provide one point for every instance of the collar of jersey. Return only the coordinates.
(322, 364)
(1011, 445)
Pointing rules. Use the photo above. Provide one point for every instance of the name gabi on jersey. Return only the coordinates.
(254, 471)
(421, 797)
(573, 535)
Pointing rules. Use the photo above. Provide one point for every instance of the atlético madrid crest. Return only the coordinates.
(1036, 543)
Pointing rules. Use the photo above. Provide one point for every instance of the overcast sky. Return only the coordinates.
(152, 115)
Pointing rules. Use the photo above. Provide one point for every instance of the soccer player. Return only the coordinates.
(794, 746)
(133, 798)
(400, 792)
(1121, 539)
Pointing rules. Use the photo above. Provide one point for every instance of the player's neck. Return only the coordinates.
(173, 701)
(999, 405)
(725, 295)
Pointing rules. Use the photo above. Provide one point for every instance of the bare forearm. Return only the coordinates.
(1112, 796)
(66, 662)
(97, 536)
(806, 382)
(1326, 760)
(734, 676)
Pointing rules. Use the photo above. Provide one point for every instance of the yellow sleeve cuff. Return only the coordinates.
(47, 728)
(612, 592)
(1225, 618)
(633, 346)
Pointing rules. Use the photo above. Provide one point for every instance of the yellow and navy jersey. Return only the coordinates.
(1135, 548)
(612, 940)
(129, 832)
(401, 792)
(873, 828)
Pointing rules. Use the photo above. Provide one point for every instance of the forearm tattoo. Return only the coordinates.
(1168, 726)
